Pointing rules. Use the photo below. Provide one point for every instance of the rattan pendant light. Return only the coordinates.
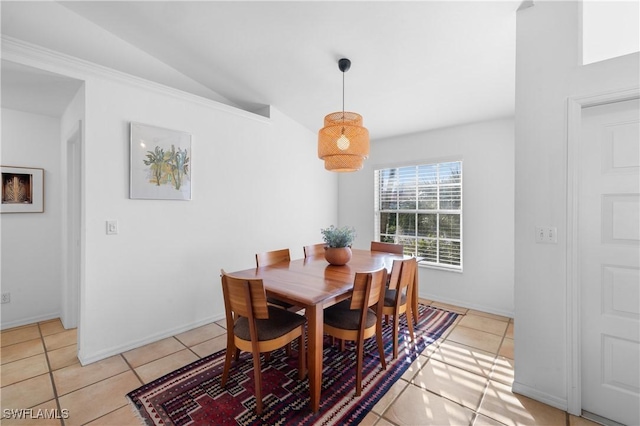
(343, 143)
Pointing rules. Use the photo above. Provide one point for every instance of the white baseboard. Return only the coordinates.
(30, 320)
(554, 401)
(466, 304)
(106, 353)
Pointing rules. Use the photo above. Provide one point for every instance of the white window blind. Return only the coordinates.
(420, 207)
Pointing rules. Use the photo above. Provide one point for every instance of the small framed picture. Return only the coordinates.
(22, 190)
(160, 163)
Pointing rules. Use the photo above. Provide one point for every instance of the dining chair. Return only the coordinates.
(359, 317)
(387, 247)
(269, 258)
(314, 250)
(254, 326)
(397, 297)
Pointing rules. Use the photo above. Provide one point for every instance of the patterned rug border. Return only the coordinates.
(341, 409)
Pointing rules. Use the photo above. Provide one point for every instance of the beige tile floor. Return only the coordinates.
(463, 379)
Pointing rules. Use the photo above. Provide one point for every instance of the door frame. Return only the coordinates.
(72, 228)
(575, 105)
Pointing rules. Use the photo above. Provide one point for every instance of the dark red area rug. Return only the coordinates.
(192, 394)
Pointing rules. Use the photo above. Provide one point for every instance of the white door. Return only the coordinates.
(609, 260)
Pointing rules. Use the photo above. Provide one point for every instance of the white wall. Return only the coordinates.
(257, 185)
(31, 269)
(609, 29)
(487, 151)
(548, 71)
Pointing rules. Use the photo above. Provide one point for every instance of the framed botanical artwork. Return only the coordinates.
(22, 190)
(160, 163)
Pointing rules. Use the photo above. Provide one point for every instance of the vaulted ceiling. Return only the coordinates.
(416, 65)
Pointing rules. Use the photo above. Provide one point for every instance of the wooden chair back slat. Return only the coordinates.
(359, 293)
(396, 271)
(270, 257)
(407, 274)
(387, 247)
(245, 297)
(368, 288)
(314, 250)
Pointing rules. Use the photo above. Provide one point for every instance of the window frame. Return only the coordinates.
(397, 238)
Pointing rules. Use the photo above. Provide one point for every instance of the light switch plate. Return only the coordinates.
(546, 234)
(112, 227)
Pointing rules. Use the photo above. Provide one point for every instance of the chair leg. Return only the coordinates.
(409, 314)
(359, 356)
(396, 325)
(227, 365)
(380, 343)
(257, 374)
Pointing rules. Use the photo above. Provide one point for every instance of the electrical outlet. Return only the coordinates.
(6, 298)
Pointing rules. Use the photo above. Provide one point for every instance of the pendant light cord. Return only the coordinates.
(343, 96)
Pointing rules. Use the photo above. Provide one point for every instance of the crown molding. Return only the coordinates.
(29, 54)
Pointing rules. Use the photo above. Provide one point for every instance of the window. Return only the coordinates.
(420, 207)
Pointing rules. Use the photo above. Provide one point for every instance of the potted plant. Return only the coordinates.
(338, 240)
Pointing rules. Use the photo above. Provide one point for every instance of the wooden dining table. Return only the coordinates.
(313, 284)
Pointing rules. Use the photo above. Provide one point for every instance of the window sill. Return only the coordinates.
(440, 268)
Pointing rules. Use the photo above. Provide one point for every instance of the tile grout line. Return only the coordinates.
(189, 347)
(134, 372)
(475, 412)
(57, 397)
(490, 378)
(410, 383)
(53, 383)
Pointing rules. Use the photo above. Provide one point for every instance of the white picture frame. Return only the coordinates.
(22, 190)
(160, 166)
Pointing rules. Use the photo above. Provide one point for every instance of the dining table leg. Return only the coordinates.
(314, 358)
